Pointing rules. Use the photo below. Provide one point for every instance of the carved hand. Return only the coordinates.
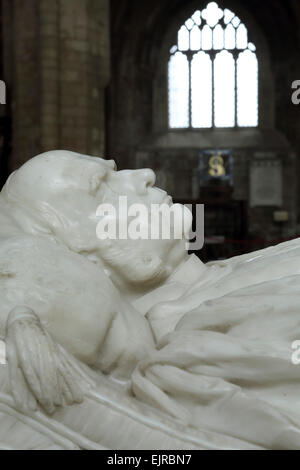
(41, 372)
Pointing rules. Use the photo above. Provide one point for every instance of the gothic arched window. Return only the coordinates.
(213, 73)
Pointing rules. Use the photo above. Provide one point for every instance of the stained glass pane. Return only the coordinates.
(218, 37)
(202, 32)
(178, 91)
(195, 39)
(201, 90)
(183, 39)
(251, 47)
(247, 89)
(206, 38)
(189, 23)
(212, 14)
(229, 37)
(228, 16)
(242, 37)
(236, 21)
(197, 17)
(224, 90)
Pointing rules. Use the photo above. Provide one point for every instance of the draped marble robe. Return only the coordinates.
(224, 355)
(221, 376)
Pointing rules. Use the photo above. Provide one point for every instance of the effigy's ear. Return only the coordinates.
(96, 181)
(51, 216)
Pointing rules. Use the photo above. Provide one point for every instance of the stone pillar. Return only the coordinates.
(49, 75)
(26, 84)
(84, 41)
(61, 70)
(74, 49)
(98, 74)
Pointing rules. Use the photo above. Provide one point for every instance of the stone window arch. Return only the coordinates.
(183, 47)
(213, 72)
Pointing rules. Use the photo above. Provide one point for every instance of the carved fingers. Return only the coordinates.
(41, 372)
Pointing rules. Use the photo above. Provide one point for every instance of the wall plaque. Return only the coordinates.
(216, 165)
(266, 183)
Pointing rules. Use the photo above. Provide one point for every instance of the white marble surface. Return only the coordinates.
(168, 352)
(2, 353)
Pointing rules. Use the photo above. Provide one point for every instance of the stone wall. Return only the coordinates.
(58, 75)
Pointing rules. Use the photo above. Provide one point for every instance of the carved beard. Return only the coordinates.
(136, 267)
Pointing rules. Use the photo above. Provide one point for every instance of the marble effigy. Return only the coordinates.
(134, 344)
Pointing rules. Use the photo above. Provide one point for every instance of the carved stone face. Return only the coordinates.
(161, 256)
(138, 186)
(65, 189)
